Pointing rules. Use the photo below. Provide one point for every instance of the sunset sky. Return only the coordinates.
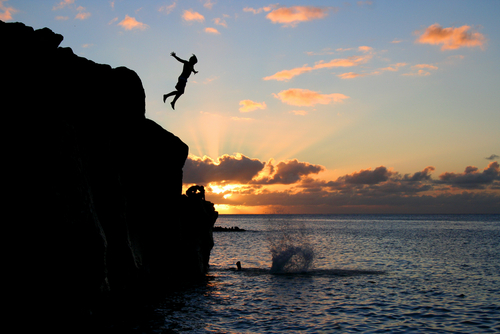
(313, 106)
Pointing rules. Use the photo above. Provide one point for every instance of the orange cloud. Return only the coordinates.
(62, 18)
(220, 22)
(422, 70)
(190, 15)
(305, 97)
(7, 12)
(365, 48)
(212, 31)
(451, 38)
(63, 4)
(393, 68)
(130, 23)
(208, 4)
(168, 8)
(420, 73)
(389, 68)
(350, 75)
(82, 15)
(291, 16)
(249, 105)
(429, 66)
(346, 62)
(286, 75)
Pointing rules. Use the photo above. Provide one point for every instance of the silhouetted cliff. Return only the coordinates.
(94, 186)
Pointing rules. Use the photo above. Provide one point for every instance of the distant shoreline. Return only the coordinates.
(227, 229)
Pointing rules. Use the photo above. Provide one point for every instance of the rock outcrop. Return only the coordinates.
(94, 186)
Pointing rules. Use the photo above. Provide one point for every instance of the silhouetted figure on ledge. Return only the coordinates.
(238, 265)
(196, 192)
(183, 78)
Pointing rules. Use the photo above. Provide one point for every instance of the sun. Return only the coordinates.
(223, 188)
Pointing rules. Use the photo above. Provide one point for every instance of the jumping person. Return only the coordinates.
(181, 83)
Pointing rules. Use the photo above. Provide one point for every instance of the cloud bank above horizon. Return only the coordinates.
(241, 184)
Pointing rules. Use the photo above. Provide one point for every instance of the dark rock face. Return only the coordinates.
(96, 187)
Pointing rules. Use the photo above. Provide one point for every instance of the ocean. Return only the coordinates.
(343, 274)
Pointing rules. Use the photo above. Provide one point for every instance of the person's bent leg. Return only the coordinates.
(165, 96)
(175, 100)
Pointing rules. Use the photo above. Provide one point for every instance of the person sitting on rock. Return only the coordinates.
(196, 192)
(181, 83)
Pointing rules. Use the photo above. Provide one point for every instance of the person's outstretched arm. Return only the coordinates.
(178, 59)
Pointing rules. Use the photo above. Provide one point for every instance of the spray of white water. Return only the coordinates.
(290, 248)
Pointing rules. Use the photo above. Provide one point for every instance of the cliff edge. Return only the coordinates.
(94, 186)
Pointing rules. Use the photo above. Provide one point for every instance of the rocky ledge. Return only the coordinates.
(94, 187)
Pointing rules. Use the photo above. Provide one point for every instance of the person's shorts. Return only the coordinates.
(181, 85)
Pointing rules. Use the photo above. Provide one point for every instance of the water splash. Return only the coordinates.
(290, 249)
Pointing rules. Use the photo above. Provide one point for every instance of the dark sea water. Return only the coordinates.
(344, 274)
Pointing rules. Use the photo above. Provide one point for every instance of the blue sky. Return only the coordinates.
(331, 90)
